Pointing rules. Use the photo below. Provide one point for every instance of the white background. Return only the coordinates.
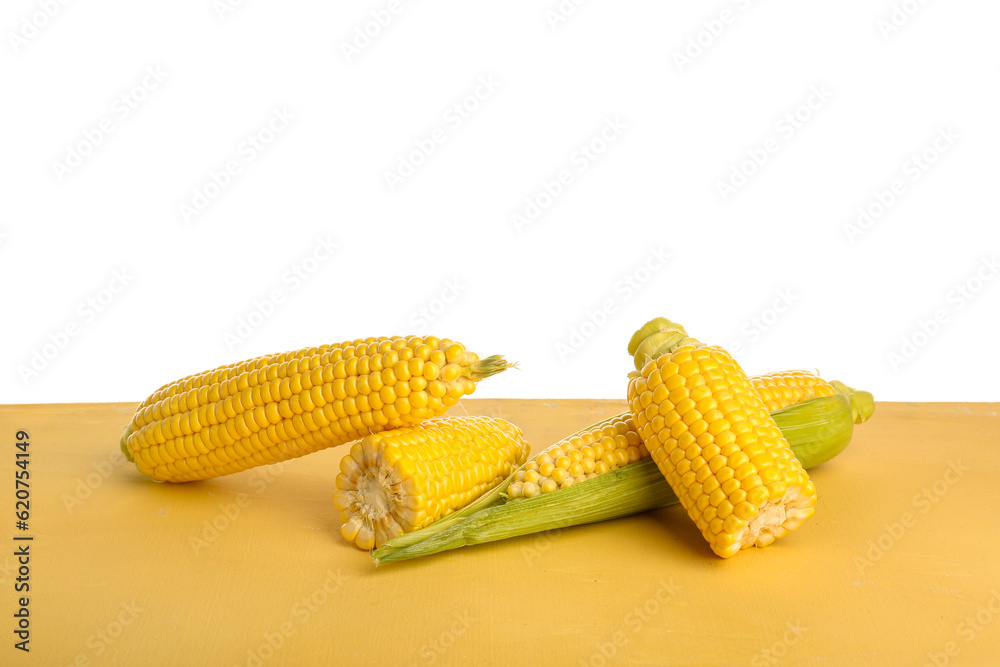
(890, 82)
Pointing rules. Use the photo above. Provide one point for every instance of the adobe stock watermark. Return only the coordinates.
(304, 610)
(966, 631)
(778, 649)
(223, 8)
(32, 24)
(425, 315)
(756, 326)
(292, 279)
(786, 127)
(229, 513)
(580, 160)
(122, 106)
(899, 15)
(610, 651)
(956, 299)
(434, 649)
(622, 291)
(365, 34)
(562, 11)
(922, 501)
(912, 170)
(105, 636)
(540, 543)
(703, 38)
(85, 486)
(247, 151)
(86, 312)
(454, 117)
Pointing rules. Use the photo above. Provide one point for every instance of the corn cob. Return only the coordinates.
(401, 480)
(817, 430)
(615, 442)
(281, 406)
(711, 436)
(779, 390)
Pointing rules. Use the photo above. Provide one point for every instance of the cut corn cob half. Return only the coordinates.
(281, 406)
(401, 480)
(615, 442)
(711, 436)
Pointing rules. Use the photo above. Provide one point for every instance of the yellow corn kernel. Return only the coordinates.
(400, 480)
(281, 406)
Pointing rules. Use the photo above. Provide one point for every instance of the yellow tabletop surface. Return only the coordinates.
(899, 566)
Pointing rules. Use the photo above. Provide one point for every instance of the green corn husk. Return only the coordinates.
(817, 430)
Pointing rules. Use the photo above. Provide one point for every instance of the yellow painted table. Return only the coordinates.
(899, 566)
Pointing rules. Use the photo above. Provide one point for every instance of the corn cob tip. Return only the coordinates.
(862, 402)
(656, 337)
(488, 366)
(123, 443)
(655, 325)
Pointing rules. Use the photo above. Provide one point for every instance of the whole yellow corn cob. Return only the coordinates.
(615, 442)
(711, 436)
(281, 406)
(401, 480)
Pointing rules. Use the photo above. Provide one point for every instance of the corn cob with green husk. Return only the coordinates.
(615, 442)
(817, 429)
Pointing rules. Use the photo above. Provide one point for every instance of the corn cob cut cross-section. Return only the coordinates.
(401, 480)
(615, 442)
(711, 436)
(779, 390)
(282, 406)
